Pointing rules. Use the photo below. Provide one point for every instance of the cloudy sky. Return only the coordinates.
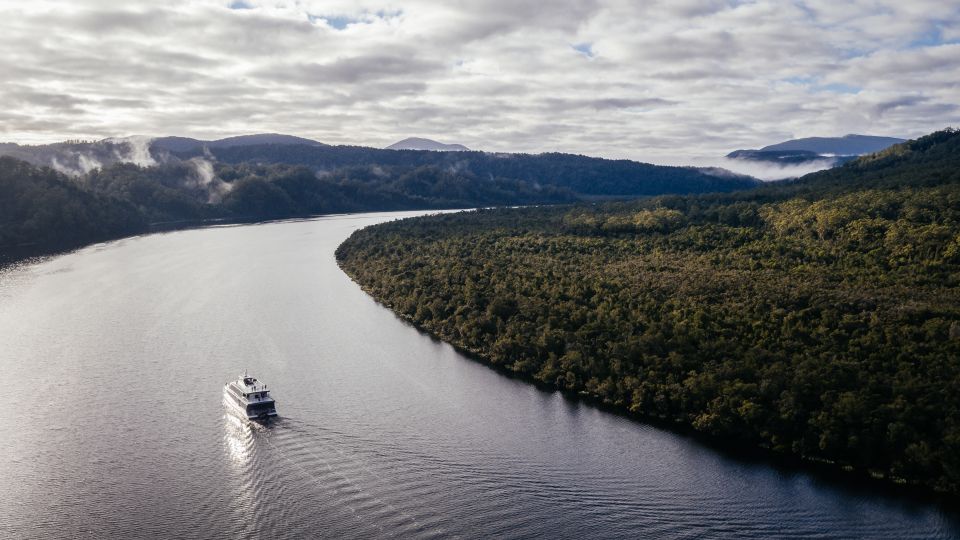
(668, 82)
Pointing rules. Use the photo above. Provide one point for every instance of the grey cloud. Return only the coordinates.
(180, 59)
(706, 73)
(351, 70)
(697, 8)
(611, 103)
(715, 46)
(19, 95)
(944, 59)
(906, 101)
(16, 122)
(911, 107)
(111, 20)
(489, 18)
(628, 103)
(383, 90)
(80, 66)
(124, 103)
(486, 88)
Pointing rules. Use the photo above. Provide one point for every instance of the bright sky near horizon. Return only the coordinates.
(666, 82)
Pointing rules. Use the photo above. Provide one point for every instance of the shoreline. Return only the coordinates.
(23, 253)
(740, 450)
(827, 470)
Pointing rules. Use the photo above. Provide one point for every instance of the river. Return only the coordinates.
(113, 360)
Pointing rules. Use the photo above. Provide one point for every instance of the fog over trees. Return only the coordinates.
(135, 186)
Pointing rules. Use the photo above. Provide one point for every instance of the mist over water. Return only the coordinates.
(115, 357)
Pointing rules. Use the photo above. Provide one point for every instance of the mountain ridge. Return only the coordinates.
(180, 144)
(813, 152)
(420, 143)
(848, 145)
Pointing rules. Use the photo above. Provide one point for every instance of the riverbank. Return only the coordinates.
(758, 317)
(13, 255)
(732, 448)
(384, 431)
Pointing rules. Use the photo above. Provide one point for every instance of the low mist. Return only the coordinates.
(205, 179)
(767, 171)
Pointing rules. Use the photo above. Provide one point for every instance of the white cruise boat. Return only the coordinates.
(250, 398)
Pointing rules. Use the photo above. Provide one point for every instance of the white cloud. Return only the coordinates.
(668, 82)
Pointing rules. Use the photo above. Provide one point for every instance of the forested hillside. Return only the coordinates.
(233, 180)
(818, 318)
(585, 176)
(40, 207)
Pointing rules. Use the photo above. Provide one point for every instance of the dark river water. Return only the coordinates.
(113, 360)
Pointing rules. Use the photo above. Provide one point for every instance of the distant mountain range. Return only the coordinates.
(118, 186)
(832, 151)
(583, 176)
(417, 143)
(183, 144)
(76, 158)
(848, 145)
(61, 195)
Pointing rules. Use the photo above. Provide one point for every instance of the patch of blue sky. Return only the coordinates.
(585, 49)
(838, 88)
(239, 4)
(854, 52)
(335, 21)
(340, 22)
(931, 38)
(802, 81)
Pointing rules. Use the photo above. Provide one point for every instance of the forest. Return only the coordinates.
(586, 176)
(46, 210)
(818, 319)
(41, 209)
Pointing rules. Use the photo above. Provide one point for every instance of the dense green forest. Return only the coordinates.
(817, 318)
(585, 176)
(45, 210)
(40, 207)
(255, 191)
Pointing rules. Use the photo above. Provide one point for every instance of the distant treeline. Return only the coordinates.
(582, 175)
(44, 210)
(817, 318)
